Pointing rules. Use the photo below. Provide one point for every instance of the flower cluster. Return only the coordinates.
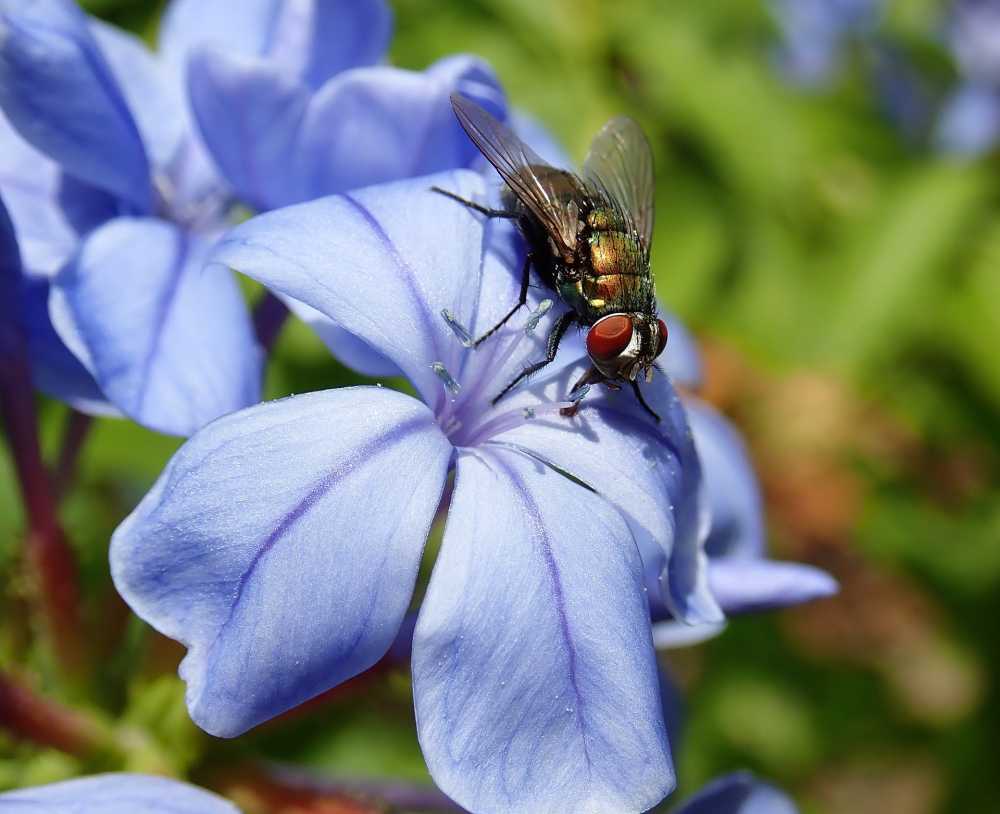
(282, 543)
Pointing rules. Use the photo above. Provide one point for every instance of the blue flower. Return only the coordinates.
(814, 34)
(129, 208)
(293, 105)
(116, 794)
(970, 121)
(282, 543)
(738, 793)
(740, 575)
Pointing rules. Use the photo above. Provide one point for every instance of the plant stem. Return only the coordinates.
(48, 554)
(29, 716)
(75, 433)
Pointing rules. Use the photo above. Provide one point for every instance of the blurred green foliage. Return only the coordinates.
(822, 251)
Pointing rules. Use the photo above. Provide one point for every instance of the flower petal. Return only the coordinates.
(970, 121)
(534, 677)
(170, 345)
(681, 360)
(278, 144)
(738, 793)
(29, 183)
(744, 586)
(59, 93)
(733, 492)
(54, 369)
(249, 113)
(671, 634)
(348, 349)
(344, 34)
(154, 102)
(374, 125)
(649, 470)
(117, 794)
(281, 545)
(381, 263)
(304, 39)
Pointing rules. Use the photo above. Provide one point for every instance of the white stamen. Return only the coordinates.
(536, 316)
(457, 328)
(447, 379)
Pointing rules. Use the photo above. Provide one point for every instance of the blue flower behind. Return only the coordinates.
(816, 32)
(129, 208)
(737, 793)
(116, 794)
(281, 544)
(970, 121)
(740, 575)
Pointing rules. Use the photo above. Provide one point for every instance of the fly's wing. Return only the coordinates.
(544, 190)
(620, 165)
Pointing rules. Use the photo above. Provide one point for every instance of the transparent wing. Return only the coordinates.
(549, 193)
(620, 165)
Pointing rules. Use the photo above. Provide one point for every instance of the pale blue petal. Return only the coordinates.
(534, 677)
(169, 344)
(116, 794)
(681, 361)
(304, 39)
(738, 793)
(281, 545)
(373, 125)
(670, 634)
(30, 185)
(277, 143)
(154, 102)
(744, 586)
(970, 121)
(54, 370)
(348, 349)
(344, 34)
(382, 263)
(649, 470)
(733, 491)
(249, 114)
(60, 94)
(189, 25)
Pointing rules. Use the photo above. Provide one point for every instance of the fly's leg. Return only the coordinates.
(642, 401)
(521, 301)
(552, 348)
(509, 214)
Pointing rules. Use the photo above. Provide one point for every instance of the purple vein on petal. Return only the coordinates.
(406, 274)
(552, 569)
(375, 446)
(162, 314)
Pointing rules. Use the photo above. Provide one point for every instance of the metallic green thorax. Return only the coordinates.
(607, 270)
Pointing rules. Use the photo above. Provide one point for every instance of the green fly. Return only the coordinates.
(588, 239)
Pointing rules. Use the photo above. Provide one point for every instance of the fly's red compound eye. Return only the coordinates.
(609, 336)
(661, 336)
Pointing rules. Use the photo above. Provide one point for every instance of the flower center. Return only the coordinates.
(467, 414)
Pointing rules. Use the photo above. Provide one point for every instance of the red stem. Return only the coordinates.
(28, 716)
(74, 435)
(48, 553)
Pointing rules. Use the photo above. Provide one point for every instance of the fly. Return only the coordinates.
(588, 239)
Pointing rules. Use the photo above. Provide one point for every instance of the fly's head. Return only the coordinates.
(622, 346)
